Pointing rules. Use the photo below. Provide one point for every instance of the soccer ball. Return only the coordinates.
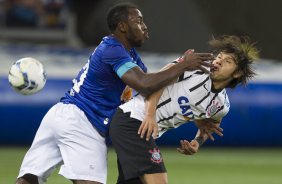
(27, 76)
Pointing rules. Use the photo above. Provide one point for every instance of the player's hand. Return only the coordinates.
(209, 126)
(188, 148)
(148, 128)
(198, 61)
(126, 94)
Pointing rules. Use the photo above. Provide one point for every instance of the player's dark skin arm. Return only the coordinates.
(147, 83)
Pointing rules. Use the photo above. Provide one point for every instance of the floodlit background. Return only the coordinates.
(63, 33)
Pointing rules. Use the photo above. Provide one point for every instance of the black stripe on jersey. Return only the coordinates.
(199, 85)
(202, 114)
(199, 72)
(136, 94)
(202, 99)
(168, 118)
(181, 77)
(215, 95)
(176, 124)
(162, 129)
(218, 110)
(187, 77)
(163, 103)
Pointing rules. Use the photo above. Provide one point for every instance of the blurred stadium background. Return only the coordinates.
(62, 34)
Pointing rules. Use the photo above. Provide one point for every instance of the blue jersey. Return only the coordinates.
(97, 88)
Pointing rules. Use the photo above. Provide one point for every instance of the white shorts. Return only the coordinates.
(66, 137)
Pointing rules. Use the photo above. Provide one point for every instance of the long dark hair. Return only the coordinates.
(244, 51)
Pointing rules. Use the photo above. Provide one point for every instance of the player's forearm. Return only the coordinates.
(147, 84)
(152, 101)
(155, 81)
(201, 138)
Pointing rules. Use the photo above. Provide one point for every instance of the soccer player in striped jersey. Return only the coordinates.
(73, 131)
(194, 96)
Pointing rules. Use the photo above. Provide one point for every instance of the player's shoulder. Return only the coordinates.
(110, 53)
(109, 43)
(224, 97)
(110, 40)
(194, 77)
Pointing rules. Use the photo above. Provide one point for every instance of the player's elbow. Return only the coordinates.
(144, 83)
(145, 89)
(145, 94)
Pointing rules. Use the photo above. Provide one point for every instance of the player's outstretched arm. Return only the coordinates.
(209, 126)
(188, 148)
(149, 125)
(147, 83)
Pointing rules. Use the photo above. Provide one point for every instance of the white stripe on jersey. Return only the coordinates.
(188, 99)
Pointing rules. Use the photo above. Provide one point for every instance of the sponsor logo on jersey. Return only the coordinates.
(185, 106)
(156, 156)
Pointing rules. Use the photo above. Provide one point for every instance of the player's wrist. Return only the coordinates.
(151, 114)
(186, 66)
(200, 140)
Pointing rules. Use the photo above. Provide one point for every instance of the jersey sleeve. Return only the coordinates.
(226, 106)
(124, 68)
(181, 59)
(119, 59)
(178, 60)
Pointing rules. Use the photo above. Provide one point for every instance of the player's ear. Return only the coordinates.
(238, 74)
(122, 26)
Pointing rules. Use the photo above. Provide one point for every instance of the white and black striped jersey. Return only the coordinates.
(190, 98)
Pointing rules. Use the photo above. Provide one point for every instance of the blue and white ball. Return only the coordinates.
(27, 76)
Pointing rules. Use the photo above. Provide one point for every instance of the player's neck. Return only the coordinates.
(123, 41)
(218, 86)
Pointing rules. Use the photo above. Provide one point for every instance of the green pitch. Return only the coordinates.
(209, 166)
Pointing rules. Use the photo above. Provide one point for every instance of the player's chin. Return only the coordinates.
(139, 43)
(212, 75)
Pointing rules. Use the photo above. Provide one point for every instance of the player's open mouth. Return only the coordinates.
(214, 68)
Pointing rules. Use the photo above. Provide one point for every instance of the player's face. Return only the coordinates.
(224, 68)
(137, 30)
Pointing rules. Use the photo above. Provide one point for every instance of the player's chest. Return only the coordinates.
(199, 104)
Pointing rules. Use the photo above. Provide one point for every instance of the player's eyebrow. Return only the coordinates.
(139, 17)
(229, 57)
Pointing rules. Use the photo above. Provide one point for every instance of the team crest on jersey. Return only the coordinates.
(156, 156)
(213, 108)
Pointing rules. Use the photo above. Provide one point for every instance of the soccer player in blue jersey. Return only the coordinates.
(72, 133)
